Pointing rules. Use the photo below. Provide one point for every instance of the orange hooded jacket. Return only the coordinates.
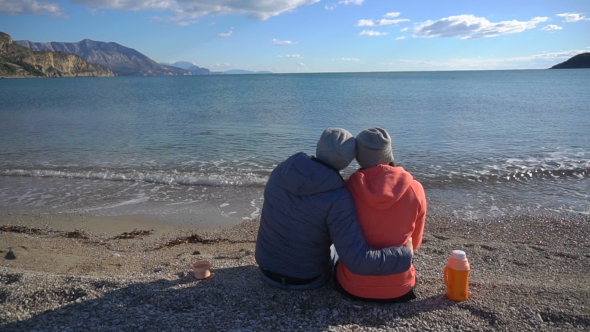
(391, 208)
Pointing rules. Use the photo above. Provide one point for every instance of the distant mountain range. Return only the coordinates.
(125, 61)
(240, 71)
(194, 69)
(120, 59)
(581, 60)
(19, 61)
(204, 71)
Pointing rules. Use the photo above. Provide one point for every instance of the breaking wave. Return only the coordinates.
(236, 179)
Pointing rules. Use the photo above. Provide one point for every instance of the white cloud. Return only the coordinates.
(185, 10)
(405, 29)
(400, 38)
(226, 34)
(301, 64)
(392, 14)
(30, 7)
(573, 17)
(344, 2)
(282, 42)
(371, 23)
(350, 59)
(552, 27)
(372, 33)
(469, 26)
(296, 56)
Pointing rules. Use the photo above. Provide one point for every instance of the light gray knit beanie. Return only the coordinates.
(373, 147)
(336, 147)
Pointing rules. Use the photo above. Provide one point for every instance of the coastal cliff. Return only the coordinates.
(120, 59)
(579, 61)
(18, 61)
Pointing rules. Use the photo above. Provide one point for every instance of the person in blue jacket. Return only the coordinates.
(306, 209)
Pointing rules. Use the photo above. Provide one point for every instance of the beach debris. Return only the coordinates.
(20, 229)
(76, 235)
(194, 238)
(133, 234)
(10, 255)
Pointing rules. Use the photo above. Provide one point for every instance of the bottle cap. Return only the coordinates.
(458, 254)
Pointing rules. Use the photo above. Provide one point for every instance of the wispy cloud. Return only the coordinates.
(400, 38)
(405, 29)
(392, 14)
(552, 27)
(541, 60)
(372, 23)
(344, 2)
(350, 59)
(573, 17)
(224, 66)
(31, 7)
(187, 10)
(372, 33)
(301, 64)
(226, 34)
(283, 42)
(469, 26)
(296, 56)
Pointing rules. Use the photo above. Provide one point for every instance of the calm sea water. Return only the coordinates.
(199, 149)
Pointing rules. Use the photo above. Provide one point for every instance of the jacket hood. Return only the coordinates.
(301, 175)
(380, 186)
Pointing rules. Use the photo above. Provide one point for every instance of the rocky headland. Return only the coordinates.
(19, 61)
(121, 60)
(581, 60)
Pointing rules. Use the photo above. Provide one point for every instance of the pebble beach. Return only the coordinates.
(74, 272)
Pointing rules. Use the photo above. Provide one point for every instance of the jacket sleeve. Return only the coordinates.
(421, 217)
(352, 248)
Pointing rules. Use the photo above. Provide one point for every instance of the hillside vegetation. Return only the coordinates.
(18, 61)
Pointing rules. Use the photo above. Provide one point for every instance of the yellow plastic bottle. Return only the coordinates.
(456, 276)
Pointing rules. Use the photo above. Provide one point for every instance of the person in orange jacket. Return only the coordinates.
(391, 208)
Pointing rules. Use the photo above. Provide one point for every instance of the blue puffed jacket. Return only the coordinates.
(307, 207)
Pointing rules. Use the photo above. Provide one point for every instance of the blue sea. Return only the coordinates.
(198, 150)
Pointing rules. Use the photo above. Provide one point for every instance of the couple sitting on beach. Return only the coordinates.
(368, 225)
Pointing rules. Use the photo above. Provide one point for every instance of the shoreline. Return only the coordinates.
(75, 272)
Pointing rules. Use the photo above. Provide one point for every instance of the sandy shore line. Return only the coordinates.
(76, 272)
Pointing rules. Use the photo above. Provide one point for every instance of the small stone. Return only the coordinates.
(196, 252)
(10, 255)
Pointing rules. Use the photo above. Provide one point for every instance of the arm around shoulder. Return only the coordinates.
(353, 249)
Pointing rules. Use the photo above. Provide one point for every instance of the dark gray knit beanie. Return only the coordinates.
(336, 147)
(373, 147)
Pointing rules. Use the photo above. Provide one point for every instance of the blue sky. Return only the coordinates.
(318, 36)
